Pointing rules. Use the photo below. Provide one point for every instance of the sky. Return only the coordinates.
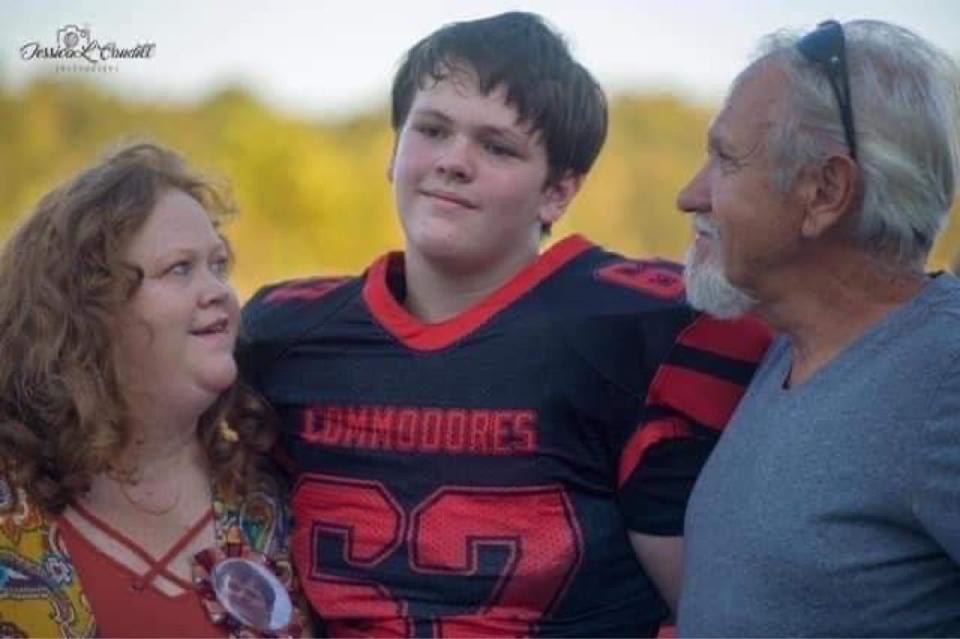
(324, 58)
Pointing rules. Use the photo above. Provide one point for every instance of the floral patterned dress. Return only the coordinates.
(42, 596)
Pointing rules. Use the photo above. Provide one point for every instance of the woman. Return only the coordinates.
(129, 461)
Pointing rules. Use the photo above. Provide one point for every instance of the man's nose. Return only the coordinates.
(695, 196)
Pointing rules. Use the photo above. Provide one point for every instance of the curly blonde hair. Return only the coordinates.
(62, 278)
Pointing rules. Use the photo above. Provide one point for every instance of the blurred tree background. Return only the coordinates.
(313, 196)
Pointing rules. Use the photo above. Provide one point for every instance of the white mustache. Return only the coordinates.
(705, 226)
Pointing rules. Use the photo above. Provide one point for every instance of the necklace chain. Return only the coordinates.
(122, 479)
(138, 505)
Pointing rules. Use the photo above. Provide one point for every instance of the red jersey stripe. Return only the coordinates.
(704, 398)
(420, 336)
(746, 338)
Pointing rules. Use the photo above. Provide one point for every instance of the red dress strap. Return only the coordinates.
(122, 611)
(157, 566)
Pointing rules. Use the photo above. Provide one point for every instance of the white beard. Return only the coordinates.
(708, 289)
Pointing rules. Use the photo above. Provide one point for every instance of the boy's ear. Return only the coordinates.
(557, 197)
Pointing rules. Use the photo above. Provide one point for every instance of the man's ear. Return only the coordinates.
(557, 196)
(830, 193)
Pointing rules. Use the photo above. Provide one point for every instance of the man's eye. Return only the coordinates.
(726, 160)
(720, 154)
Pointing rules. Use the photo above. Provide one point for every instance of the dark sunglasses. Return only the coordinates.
(826, 48)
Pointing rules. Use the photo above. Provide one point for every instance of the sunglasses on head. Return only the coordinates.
(826, 48)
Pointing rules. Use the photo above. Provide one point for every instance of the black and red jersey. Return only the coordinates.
(479, 476)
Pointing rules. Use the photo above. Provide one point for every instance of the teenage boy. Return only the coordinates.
(486, 439)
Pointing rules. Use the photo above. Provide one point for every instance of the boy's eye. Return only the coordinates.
(429, 130)
(496, 148)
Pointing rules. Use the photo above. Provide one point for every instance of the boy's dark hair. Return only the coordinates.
(549, 89)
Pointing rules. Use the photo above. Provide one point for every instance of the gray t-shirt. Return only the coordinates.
(833, 508)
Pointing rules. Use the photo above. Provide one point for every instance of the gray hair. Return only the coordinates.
(906, 109)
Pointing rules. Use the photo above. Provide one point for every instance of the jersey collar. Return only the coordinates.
(421, 336)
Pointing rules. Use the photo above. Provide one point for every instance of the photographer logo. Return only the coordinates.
(76, 50)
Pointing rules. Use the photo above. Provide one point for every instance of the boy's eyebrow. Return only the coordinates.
(483, 130)
(514, 134)
(432, 113)
(508, 134)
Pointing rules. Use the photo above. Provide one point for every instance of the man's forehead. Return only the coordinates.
(723, 130)
(752, 105)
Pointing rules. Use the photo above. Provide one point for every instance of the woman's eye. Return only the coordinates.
(179, 268)
(221, 266)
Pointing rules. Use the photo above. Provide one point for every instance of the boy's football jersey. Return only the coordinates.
(479, 476)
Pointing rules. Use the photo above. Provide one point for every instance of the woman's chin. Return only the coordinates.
(216, 380)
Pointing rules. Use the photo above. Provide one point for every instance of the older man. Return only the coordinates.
(831, 506)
